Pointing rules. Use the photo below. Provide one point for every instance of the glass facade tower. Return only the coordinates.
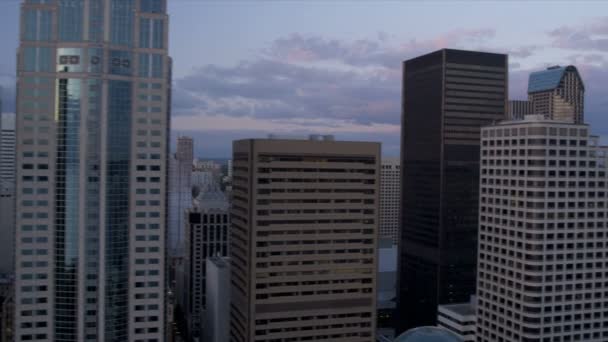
(447, 96)
(92, 122)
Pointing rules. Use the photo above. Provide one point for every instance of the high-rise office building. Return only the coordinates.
(207, 235)
(542, 233)
(217, 306)
(447, 96)
(518, 109)
(180, 193)
(558, 93)
(93, 85)
(7, 148)
(390, 189)
(304, 239)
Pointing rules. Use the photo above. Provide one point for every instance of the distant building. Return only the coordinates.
(7, 148)
(518, 109)
(207, 235)
(180, 193)
(304, 239)
(203, 180)
(542, 233)
(390, 190)
(458, 318)
(217, 308)
(448, 95)
(557, 93)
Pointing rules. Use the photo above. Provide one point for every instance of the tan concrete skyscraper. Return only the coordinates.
(304, 236)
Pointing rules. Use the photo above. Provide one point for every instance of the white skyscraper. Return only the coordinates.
(390, 190)
(93, 81)
(543, 233)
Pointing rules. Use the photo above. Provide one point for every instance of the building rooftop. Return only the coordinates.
(428, 334)
(463, 309)
(548, 79)
(212, 198)
(220, 262)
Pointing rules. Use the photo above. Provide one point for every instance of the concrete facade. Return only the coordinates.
(304, 239)
(542, 233)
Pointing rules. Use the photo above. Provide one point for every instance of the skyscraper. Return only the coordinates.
(447, 96)
(304, 240)
(558, 93)
(180, 193)
(93, 82)
(207, 235)
(542, 233)
(390, 188)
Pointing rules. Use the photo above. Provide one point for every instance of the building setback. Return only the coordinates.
(543, 233)
(390, 188)
(447, 96)
(304, 239)
(93, 85)
(459, 319)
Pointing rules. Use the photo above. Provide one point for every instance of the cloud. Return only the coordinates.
(274, 89)
(591, 36)
(523, 51)
(381, 51)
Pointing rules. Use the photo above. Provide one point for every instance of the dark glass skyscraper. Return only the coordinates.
(447, 96)
(93, 81)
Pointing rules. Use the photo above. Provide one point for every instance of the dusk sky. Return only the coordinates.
(246, 69)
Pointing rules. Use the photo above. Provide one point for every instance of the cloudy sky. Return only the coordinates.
(248, 68)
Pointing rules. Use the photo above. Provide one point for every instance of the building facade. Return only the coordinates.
(180, 193)
(447, 96)
(558, 93)
(459, 319)
(93, 85)
(217, 308)
(304, 239)
(518, 109)
(542, 233)
(390, 190)
(207, 235)
(7, 148)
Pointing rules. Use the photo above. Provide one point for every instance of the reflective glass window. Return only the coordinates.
(70, 20)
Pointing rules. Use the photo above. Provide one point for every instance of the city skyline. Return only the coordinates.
(359, 57)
